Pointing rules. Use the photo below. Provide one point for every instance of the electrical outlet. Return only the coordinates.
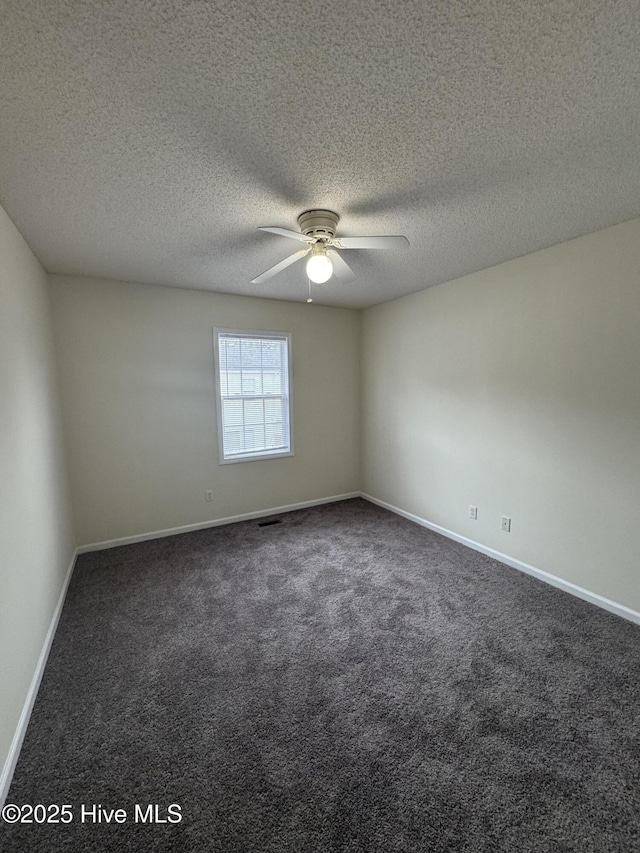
(506, 523)
(473, 512)
(209, 495)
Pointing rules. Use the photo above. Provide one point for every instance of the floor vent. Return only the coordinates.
(269, 523)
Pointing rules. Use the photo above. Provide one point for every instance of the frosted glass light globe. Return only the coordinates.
(319, 268)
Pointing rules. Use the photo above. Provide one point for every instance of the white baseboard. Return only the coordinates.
(553, 580)
(217, 522)
(16, 744)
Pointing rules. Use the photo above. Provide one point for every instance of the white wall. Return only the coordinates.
(517, 389)
(36, 535)
(136, 364)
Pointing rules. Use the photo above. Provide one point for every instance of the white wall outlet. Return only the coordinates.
(506, 523)
(473, 512)
(209, 495)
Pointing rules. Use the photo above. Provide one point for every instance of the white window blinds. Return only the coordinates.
(254, 399)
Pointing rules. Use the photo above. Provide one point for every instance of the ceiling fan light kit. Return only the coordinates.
(318, 230)
(319, 266)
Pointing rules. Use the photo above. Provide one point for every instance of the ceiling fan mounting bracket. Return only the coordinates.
(319, 223)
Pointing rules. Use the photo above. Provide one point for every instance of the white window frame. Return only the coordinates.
(251, 456)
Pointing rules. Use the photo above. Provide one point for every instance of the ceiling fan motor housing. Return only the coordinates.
(319, 223)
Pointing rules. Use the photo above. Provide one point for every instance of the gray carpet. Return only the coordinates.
(342, 681)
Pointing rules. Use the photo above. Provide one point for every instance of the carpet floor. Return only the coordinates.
(342, 681)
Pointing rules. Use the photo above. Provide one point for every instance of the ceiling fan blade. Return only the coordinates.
(341, 268)
(285, 232)
(280, 266)
(370, 242)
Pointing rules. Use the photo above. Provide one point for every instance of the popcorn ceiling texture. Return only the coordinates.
(147, 141)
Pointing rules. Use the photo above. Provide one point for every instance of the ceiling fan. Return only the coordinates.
(318, 231)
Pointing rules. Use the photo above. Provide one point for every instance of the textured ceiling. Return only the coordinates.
(147, 140)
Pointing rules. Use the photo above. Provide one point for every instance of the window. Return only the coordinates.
(254, 402)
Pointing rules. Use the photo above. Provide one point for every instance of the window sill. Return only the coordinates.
(256, 457)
